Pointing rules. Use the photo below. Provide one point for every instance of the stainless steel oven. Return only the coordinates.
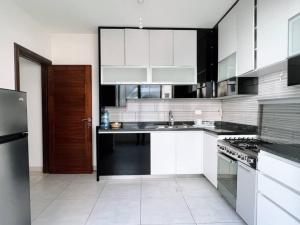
(227, 178)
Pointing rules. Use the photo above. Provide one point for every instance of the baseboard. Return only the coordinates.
(35, 169)
(145, 177)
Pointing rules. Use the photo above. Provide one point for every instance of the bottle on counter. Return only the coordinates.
(105, 120)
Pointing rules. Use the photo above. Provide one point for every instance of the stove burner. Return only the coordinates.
(243, 144)
(241, 149)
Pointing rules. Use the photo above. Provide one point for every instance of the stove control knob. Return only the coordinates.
(242, 158)
(250, 160)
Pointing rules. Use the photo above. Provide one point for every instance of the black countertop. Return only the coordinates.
(287, 151)
(220, 128)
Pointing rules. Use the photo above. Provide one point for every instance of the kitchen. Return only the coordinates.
(144, 117)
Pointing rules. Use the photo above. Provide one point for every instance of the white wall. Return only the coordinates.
(80, 49)
(31, 82)
(17, 26)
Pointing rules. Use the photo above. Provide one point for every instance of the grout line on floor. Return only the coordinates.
(34, 184)
(187, 205)
(55, 198)
(98, 197)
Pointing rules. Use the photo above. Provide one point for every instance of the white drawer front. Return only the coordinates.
(270, 214)
(280, 170)
(284, 197)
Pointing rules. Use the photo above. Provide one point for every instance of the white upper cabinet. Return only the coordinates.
(227, 38)
(294, 7)
(135, 56)
(112, 47)
(227, 68)
(185, 47)
(272, 31)
(245, 36)
(161, 48)
(294, 35)
(136, 47)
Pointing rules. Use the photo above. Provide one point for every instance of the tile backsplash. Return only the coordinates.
(241, 110)
(244, 110)
(272, 86)
(158, 110)
(281, 123)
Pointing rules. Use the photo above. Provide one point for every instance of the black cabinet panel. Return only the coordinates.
(123, 154)
(238, 86)
(248, 85)
(108, 95)
(294, 70)
(185, 91)
(207, 55)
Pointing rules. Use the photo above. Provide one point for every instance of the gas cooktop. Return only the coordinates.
(250, 144)
(242, 149)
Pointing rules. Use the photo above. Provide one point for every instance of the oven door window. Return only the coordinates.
(227, 178)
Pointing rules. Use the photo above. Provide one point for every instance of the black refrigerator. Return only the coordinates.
(14, 162)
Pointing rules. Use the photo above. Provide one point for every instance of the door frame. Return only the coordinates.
(20, 51)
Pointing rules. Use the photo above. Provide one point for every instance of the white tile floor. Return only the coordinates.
(80, 200)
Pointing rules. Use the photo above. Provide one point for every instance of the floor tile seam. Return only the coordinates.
(35, 183)
(98, 197)
(54, 199)
(187, 205)
(75, 181)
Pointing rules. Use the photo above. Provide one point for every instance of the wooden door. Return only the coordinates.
(70, 119)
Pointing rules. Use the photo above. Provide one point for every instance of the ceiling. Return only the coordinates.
(84, 16)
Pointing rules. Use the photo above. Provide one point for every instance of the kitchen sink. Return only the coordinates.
(160, 126)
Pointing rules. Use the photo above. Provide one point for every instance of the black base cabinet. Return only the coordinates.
(123, 154)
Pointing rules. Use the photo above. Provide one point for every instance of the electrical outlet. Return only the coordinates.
(280, 76)
(198, 112)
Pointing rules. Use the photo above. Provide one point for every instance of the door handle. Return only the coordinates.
(87, 120)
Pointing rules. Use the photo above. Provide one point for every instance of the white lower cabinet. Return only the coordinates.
(175, 152)
(278, 200)
(189, 152)
(246, 193)
(287, 199)
(280, 169)
(210, 157)
(269, 213)
(163, 153)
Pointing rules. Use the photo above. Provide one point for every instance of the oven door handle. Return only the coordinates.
(226, 158)
(247, 168)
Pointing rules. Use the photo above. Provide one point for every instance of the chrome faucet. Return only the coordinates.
(171, 119)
